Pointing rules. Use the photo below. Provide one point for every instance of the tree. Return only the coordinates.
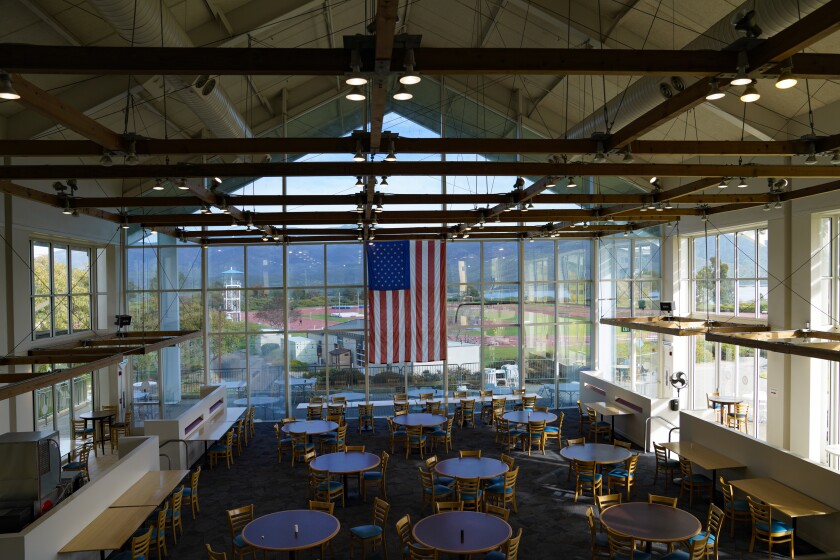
(273, 313)
(706, 283)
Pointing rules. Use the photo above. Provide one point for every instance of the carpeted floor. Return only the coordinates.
(554, 526)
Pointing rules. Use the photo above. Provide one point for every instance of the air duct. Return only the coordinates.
(141, 25)
(648, 92)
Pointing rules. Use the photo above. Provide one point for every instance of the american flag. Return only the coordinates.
(406, 305)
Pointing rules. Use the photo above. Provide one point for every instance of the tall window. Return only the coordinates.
(824, 313)
(61, 289)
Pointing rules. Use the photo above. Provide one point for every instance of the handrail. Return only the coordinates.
(186, 449)
(647, 429)
(168, 460)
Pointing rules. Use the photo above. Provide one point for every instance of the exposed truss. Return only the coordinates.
(824, 345)
(681, 326)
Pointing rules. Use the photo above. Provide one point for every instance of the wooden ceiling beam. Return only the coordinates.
(35, 195)
(417, 168)
(386, 21)
(810, 29)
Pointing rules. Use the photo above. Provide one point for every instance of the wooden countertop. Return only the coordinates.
(110, 530)
(608, 409)
(783, 498)
(702, 456)
(151, 489)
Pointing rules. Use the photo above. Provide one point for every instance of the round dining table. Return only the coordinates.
(523, 416)
(729, 401)
(424, 419)
(601, 453)
(651, 522)
(310, 427)
(471, 467)
(99, 417)
(462, 532)
(345, 463)
(291, 530)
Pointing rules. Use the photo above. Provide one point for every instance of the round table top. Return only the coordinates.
(258, 401)
(523, 417)
(310, 427)
(97, 414)
(276, 531)
(651, 522)
(601, 453)
(419, 419)
(726, 399)
(471, 467)
(345, 462)
(482, 532)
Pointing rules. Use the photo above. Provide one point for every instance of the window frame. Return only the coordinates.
(70, 294)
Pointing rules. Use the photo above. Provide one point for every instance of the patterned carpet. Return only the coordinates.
(554, 526)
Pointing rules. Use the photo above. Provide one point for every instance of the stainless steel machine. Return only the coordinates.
(30, 472)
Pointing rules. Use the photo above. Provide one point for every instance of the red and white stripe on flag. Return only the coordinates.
(410, 325)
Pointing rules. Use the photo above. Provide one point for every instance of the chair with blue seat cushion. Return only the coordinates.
(140, 545)
(431, 462)
(528, 403)
(237, 520)
(403, 526)
(598, 427)
(717, 407)
(465, 415)
(325, 488)
(173, 516)
(534, 435)
(418, 552)
(555, 432)
(326, 507)
(284, 443)
(416, 439)
(570, 442)
(213, 555)
(690, 481)
(587, 477)
(764, 528)
(714, 521)
(486, 397)
(159, 532)
(79, 460)
(374, 533)
(335, 442)
(433, 492)
(509, 551)
(605, 502)
(509, 461)
(696, 550)
(600, 544)
(191, 492)
(366, 418)
(739, 418)
(238, 431)
(397, 433)
(664, 463)
(618, 443)
(377, 477)
(504, 493)
(506, 435)
(623, 547)
(734, 510)
(623, 477)
(443, 435)
(434, 407)
(422, 397)
(470, 493)
(584, 417)
(300, 447)
(443, 507)
(222, 450)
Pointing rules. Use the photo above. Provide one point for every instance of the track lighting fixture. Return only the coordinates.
(374, 222)
(653, 180)
(723, 184)
(124, 222)
(182, 184)
(384, 182)
(659, 207)
(628, 157)
(778, 203)
(360, 224)
(523, 207)
(466, 235)
(741, 78)
(158, 185)
(356, 78)
(264, 236)
(530, 205)
(766, 207)
(359, 182)
(67, 208)
(410, 76)
(379, 208)
(359, 208)
(530, 239)
(275, 236)
(402, 94)
(360, 237)
(204, 209)
(668, 205)
(651, 205)
(359, 156)
(600, 157)
(610, 218)
(750, 94)
(550, 182)
(704, 218)
(392, 156)
(571, 184)
(786, 79)
(7, 90)
(811, 159)
(356, 94)
(131, 158)
(105, 160)
(626, 232)
(218, 180)
(742, 183)
(714, 91)
(223, 206)
(519, 183)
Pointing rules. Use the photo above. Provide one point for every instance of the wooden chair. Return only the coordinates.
(315, 411)
(173, 516)
(466, 414)
(662, 500)
(605, 502)
(213, 555)
(528, 403)
(690, 481)
(696, 551)
(624, 477)
(767, 530)
(442, 507)
(325, 489)
(376, 478)
(284, 443)
(500, 512)
(316, 400)
(499, 404)
(534, 435)
(443, 436)
(402, 397)
(158, 528)
(222, 450)
(336, 417)
(416, 439)
(584, 417)
(238, 518)
(417, 552)
(397, 434)
(506, 436)
(336, 442)
(119, 429)
(600, 544)
(734, 510)
(433, 492)
(300, 447)
(338, 400)
(665, 464)
(238, 431)
(569, 443)
(433, 407)
(504, 493)
(555, 432)
(509, 550)
(326, 507)
(83, 433)
(190, 494)
(400, 408)
(476, 453)
(403, 526)
(717, 407)
(140, 545)
(739, 418)
(252, 430)
(366, 418)
(623, 547)
(79, 460)
(374, 533)
(486, 396)
(587, 477)
(598, 427)
(470, 493)
(714, 521)
(431, 462)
